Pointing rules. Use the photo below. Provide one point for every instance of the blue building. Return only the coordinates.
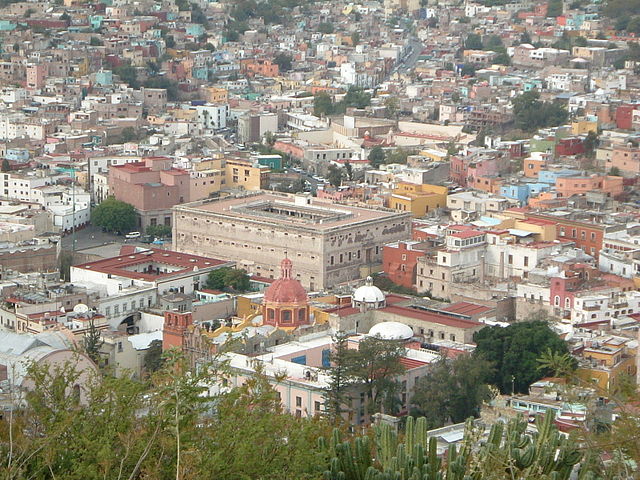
(17, 154)
(550, 176)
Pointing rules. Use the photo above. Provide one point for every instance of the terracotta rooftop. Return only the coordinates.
(122, 264)
(466, 308)
(431, 317)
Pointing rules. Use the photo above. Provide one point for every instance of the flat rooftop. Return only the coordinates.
(151, 264)
(283, 210)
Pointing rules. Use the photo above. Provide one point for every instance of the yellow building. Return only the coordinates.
(417, 199)
(215, 94)
(603, 364)
(582, 127)
(244, 174)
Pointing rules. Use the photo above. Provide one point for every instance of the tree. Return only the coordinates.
(374, 367)
(493, 42)
(392, 106)
(92, 342)
(614, 172)
(95, 42)
(169, 41)
(283, 61)
(525, 37)
(335, 175)
(162, 82)
(153, 357)
(6, 166)
(591, 143)
(348, 170)
(322, 104)
(336, 394)
(114, 216)
(554, 8)
(356, 97)
(159, 231)
(128, 134)
(514, 351)
(325, 27)
(227, 278)
(531, 113)
(473, 42)
(376, 157)
(453, 391)
(127, 74)
(502, 58)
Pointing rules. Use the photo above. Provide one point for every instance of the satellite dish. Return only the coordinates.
(80, 308)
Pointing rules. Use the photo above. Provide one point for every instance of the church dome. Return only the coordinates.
(368, 293)
(391, 331)
(286, 289)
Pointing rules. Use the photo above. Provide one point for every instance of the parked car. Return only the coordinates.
(132, 235)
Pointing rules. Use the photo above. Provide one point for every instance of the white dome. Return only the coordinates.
(368, 293)
(391, 331)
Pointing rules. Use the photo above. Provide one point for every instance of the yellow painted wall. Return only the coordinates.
(582, 127)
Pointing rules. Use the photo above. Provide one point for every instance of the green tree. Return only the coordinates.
(554, 8)
(160, 231)
(153, 357)
(6, 166)
(114, 216)
(127, 74)
(335, 175)
(525, 38)
(356, 97)
(322, 104)
(614, 172)
(376, 157)
(392, 106)
(336, 395)
(374, 367)
(473, 42)
(283, 61)
(348, 170)
(92, 342)
(129, 134)
(227, 278)
(453, 391)
(170, 41)
(514, 351)
(326, 27)
(531, 113)
(591, 143)
(493, 42)
(95, 42)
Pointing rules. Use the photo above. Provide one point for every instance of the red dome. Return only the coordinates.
(286, 289)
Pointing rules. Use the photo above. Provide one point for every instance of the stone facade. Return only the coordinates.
(329, 243)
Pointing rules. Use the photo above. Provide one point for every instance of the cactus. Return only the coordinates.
(509, 451)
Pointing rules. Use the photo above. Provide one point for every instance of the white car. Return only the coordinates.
(132, 235)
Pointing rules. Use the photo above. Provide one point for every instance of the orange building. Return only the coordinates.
(569, 186)
(489, 184)
(625, 158)
(175, 323)
(257, 66)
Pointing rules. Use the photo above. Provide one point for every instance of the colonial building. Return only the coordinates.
(330, 243)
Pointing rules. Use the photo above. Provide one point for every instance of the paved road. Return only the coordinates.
(91, 236)
(409, 62)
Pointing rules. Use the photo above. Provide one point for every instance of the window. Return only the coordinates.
(298, 401)
(316, 406)
(573, 233)
(510, 259)
(526, 261)
(556, 301)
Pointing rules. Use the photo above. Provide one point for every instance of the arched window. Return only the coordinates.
(556, 301)
(567, 303)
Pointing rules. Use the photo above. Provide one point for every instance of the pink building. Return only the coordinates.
(152, 187)
(36, 75)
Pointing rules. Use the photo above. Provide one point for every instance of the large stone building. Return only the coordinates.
(329, 243)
